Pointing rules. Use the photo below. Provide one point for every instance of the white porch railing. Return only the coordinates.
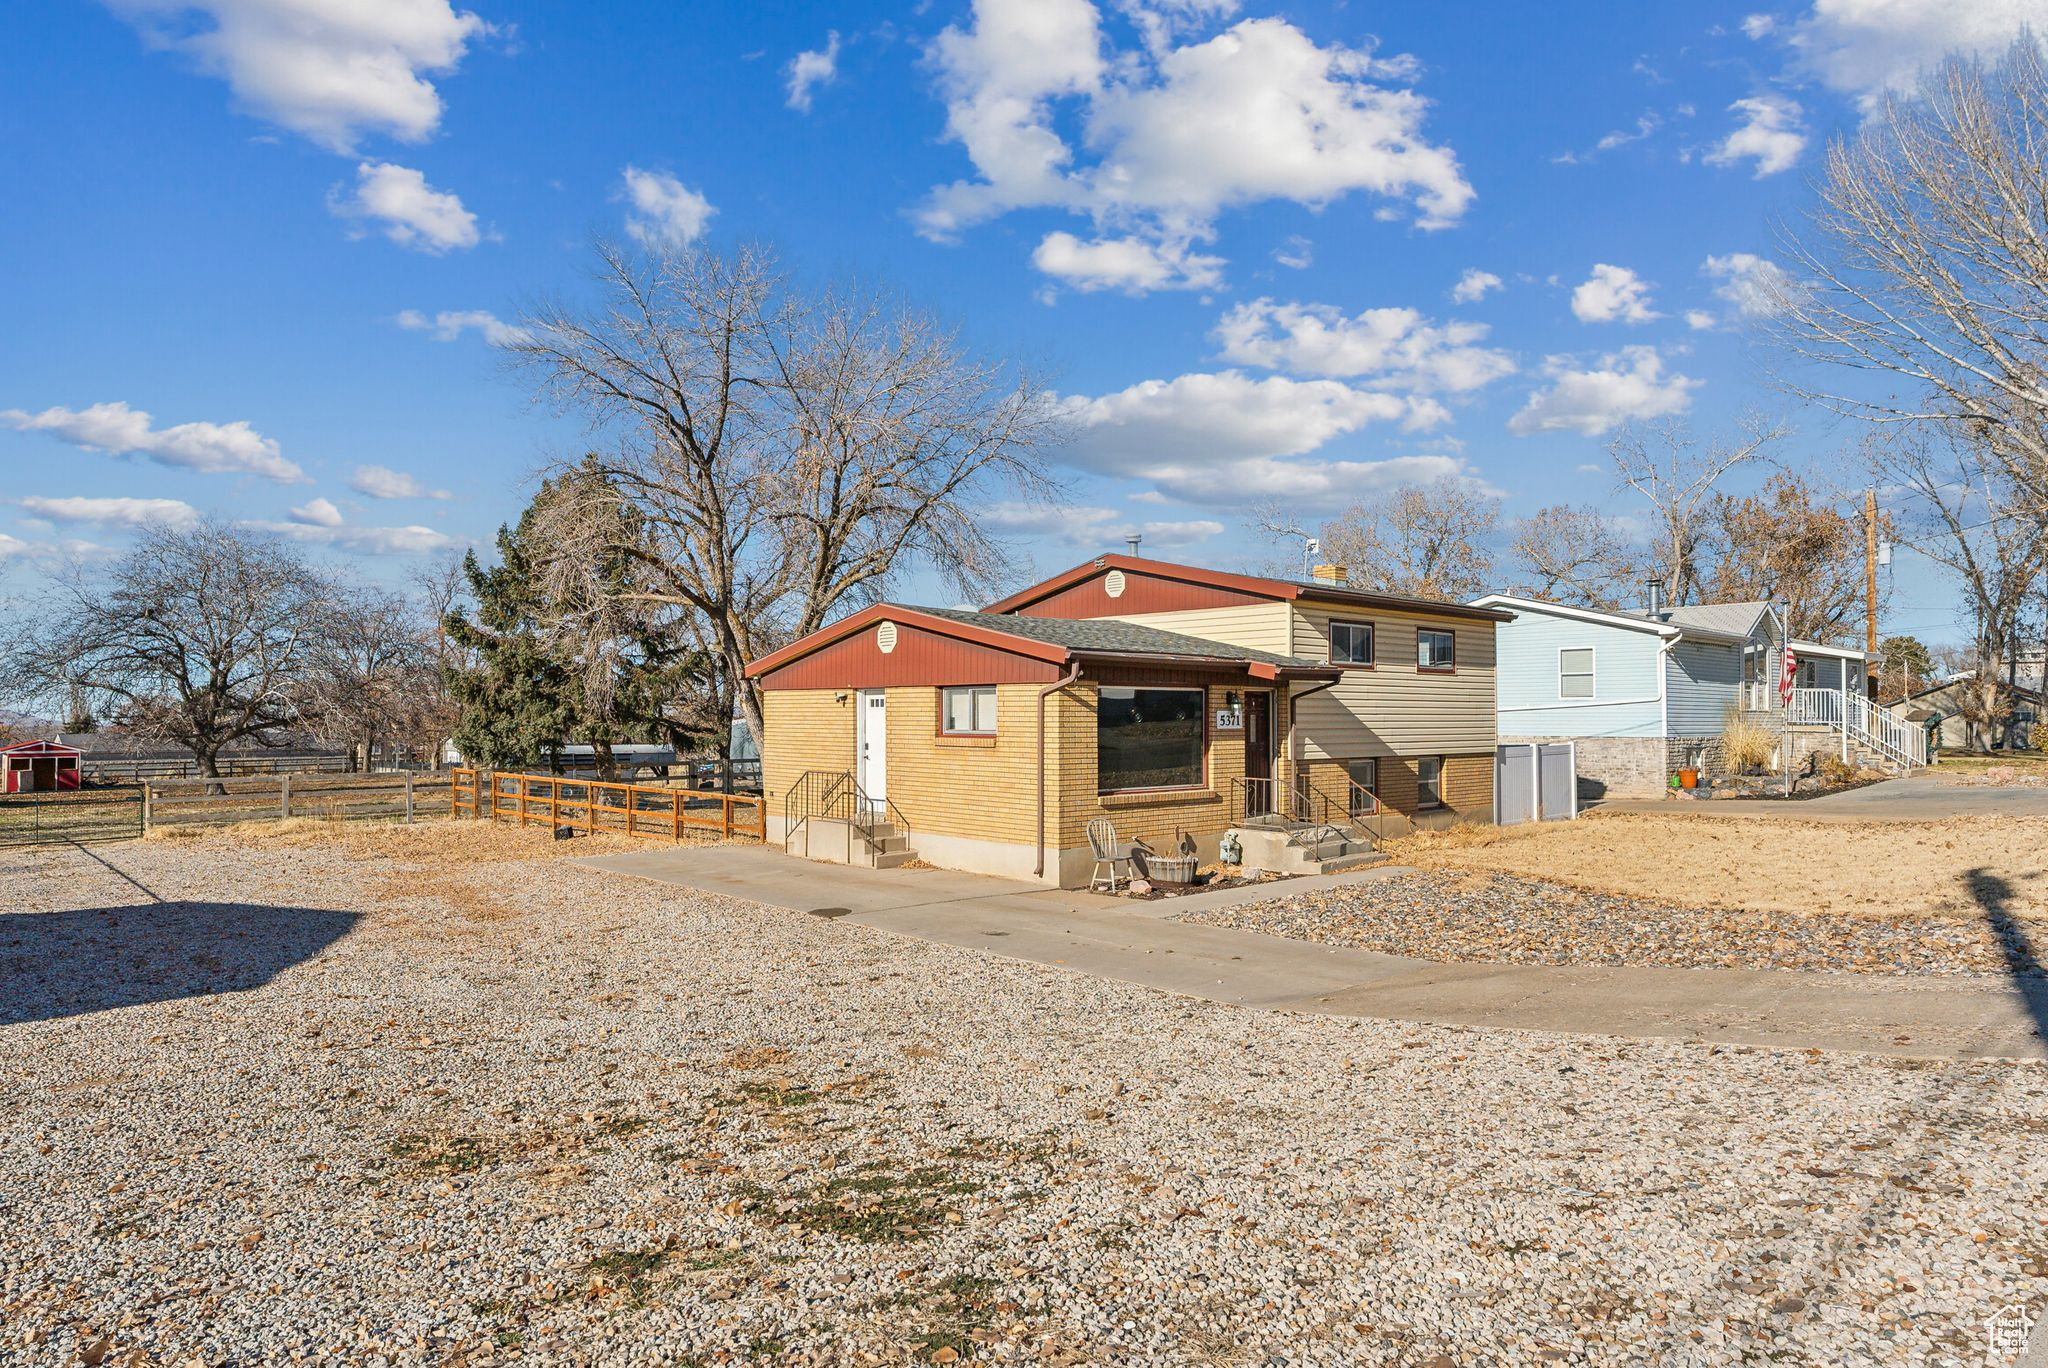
(1879, 728)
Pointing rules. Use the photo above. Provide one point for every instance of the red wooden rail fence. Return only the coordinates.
(651, 811)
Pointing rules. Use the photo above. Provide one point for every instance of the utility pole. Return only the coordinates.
(1869, 585)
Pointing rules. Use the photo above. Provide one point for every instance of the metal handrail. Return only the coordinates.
(836, 795)
(1871, 724)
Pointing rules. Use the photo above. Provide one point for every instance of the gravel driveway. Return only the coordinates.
(1482, 916)
(366, 1103)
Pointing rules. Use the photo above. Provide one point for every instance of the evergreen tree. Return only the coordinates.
(564, 650)
(515, 700)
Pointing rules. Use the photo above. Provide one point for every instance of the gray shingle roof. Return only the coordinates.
(1110, 636)
(1729, 619)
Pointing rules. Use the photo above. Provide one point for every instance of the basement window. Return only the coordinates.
(1429, 781)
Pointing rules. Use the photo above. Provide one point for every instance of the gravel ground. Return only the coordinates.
(1451, 915)
(325, 1104)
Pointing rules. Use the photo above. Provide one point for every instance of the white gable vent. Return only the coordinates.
(1113, 584)
(885, 637)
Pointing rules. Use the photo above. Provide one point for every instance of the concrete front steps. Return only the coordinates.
(878, 846)
(1279, 851)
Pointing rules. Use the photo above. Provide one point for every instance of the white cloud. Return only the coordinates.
(450, 324)
(1396, 348)
(1133, 265)
(1753, 286)
(382, 482)
(1646, 124)
(1865, 48)
(1758, 26)
(1093, 528)
(1296, 254)
(808, 70)
(413, 213)
(1174, 135)
(665, 212)
(212, 448)
(70, 548)
(331, 70)
(1215, 438)
(1474, 285)
(1773, 133)
(317, 513)
(1613, 294)
(1628, 385)
(1226, 414)
(1308, 485)
(367, 541)
(1699, 320)
(111, 511)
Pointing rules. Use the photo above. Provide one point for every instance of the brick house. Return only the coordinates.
(1171, 699)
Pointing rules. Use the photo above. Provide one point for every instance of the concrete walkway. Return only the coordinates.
(1916, 798)
(1136, 942)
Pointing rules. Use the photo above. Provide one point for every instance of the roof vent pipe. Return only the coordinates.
(1132, 542)
(1654, 595)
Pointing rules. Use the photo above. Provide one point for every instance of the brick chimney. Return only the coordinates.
(1332, 574)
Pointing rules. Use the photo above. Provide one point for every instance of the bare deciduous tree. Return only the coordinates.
(1428, 542)
(373, 681)
(1926, 260)
(786, 453)
(1968, 524)
(1576, 556)
(1798, 544)
(200, 636)
(1677, 476)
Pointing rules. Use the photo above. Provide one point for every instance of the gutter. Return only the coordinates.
(1294, 732)
(1073, 673)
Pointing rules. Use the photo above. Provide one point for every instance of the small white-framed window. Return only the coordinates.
(1435, 650)
(1429, 781)
(968, 710)
(1575, 672)
(1351, 643)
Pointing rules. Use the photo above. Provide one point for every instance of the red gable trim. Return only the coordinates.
(881, 612)
(38, 748)
(1187, 574)
(1253, 587)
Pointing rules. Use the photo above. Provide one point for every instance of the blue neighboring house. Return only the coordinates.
(1643, 695)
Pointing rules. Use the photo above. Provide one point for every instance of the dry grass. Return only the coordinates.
(1951, 867)
(441, 841)
(1746, 746)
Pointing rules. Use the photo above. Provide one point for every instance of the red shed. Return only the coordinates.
(38, 767)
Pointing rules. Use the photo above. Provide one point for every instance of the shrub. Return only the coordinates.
(1833, 769)
(2037, 736)
(1746, 746)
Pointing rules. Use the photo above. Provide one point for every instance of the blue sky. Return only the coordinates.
(256, 248)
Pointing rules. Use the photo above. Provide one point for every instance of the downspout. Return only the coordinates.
(1294, 732)
(1073, 673)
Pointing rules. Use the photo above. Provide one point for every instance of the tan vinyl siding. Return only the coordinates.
(1256, 626)
(1395, 709)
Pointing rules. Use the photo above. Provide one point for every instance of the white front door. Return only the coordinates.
(873, 743)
